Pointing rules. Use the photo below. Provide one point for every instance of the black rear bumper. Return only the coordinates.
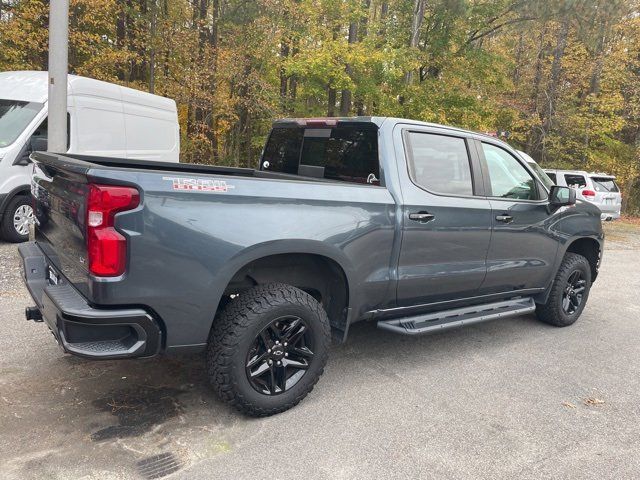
(81, 329)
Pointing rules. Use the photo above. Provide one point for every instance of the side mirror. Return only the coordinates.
(35, 144)
(561, 196)
(39, 144)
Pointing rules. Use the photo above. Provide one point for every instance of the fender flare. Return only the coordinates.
(562, 250)
(288, 246)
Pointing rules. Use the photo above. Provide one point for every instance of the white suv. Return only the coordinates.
(597, 188)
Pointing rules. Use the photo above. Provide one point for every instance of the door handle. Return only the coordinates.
(504, 218)
(422, 217)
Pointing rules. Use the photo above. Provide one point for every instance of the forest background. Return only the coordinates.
(559, 79)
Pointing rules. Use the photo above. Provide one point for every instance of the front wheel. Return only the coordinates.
(268, 349)
(17, 217)
(569, 292)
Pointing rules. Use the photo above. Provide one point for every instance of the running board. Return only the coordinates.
(458, 317)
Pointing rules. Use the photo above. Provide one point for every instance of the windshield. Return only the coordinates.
(14, 118)
(544, 178)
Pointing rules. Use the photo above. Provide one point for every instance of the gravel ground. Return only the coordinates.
(505, 399)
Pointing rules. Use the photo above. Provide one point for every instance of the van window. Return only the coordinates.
(439, 163)
(575, 181)
(347, 153)
(43, 129)
(604, 184)
(15, 116)
(552, 176)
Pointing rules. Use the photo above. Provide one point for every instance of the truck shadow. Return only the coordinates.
(140, 395)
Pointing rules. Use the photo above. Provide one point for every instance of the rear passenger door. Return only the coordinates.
(522, 251)
(446, 228)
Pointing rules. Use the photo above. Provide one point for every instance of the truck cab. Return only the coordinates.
(102, 119)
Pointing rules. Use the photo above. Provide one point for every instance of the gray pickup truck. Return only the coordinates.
(415, 226)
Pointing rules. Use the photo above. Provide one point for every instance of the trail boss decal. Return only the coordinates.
(199, 184)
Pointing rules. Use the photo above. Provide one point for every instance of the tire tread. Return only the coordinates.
(230, 327)
(549, 312)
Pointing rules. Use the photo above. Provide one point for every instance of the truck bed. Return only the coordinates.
(86, 161)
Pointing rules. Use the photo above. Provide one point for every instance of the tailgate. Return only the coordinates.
(60, 191)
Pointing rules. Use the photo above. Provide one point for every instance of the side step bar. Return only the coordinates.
(458, 317)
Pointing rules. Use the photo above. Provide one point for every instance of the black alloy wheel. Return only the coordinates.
(573, 292)
(280, 355)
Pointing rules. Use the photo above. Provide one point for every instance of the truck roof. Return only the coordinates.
(32, 86)
(378, 121)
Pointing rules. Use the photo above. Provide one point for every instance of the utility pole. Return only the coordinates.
(58, 65)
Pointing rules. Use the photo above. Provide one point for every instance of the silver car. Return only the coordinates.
(597, 188)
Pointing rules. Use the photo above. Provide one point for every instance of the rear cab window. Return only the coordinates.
(340, 151)
(604, 184)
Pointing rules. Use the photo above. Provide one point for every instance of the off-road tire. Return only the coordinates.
(552, 312)
(7, 229)
(236, 328)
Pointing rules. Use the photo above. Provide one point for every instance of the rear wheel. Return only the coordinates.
(16, 219)
(268, 349)
(569, 292)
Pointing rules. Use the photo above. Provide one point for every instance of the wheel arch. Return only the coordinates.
(21, 190)
(589, 248)
(323, 272)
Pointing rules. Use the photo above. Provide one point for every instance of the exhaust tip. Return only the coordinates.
(33, 313)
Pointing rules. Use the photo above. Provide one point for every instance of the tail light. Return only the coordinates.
(106, 247)
(588, 193)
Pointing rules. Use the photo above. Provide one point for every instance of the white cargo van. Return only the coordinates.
(103, 119)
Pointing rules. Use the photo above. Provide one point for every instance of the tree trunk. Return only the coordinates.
(554, 77)
(416, 23)
(331, 102)
(213, 42)
(345, 102)
(518, 60)
(284, 79)
(152, 48)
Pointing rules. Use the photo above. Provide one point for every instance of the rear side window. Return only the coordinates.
(552, 176)
(604, 184)
(345, 153)
(439, 163)
(576, 181)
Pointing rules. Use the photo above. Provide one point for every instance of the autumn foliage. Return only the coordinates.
(562, 77)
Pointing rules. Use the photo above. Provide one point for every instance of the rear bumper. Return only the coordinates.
(615, 215)
(81, 329)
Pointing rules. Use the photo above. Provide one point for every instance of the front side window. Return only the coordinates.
(507, 176)
(543, 176)
(439, 163)
(15, 116)
(575, 181)
(347, 153)
(552, 176)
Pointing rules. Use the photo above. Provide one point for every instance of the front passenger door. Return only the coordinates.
(522, 251)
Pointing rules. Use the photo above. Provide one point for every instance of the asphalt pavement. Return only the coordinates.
(512, 398)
